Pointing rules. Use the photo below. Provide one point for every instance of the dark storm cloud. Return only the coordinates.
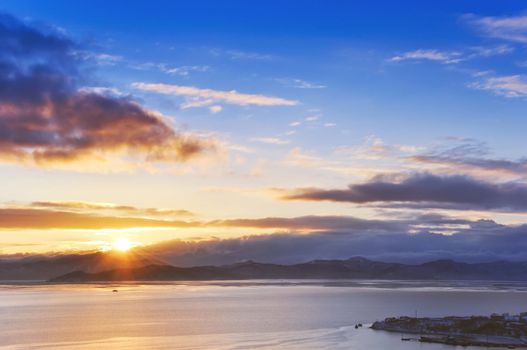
(425, 190)
(46, 117)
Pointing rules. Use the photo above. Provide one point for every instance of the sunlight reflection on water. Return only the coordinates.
(234, 315)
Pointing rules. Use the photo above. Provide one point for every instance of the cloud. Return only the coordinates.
(419, 238)
(452, 57)
(374, 148)
(107, 60)
(85, 215)
(315, 222)
(472, 156)
(429, 55)
(46, 118)
(183, 71)
(101, 59)
(481, 51)
(424, 190)
(475, 241)
(128, 209)
(312, 118)
(205, 97)
(507, 28)
(299, 83)
(270, 140)
(24, 218)
(508, 86)
(102, 90)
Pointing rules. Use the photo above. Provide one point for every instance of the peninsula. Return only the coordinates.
(507, 331)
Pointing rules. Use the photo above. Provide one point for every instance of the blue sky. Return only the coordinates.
(345, 47)
(293, 109)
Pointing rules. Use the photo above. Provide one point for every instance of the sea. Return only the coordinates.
(307, 314)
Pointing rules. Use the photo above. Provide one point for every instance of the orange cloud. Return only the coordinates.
(11, 218)
(82, 206)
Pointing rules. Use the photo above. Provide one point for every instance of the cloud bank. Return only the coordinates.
(298, 239)
(479, 241)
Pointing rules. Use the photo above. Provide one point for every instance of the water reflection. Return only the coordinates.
(234, 315)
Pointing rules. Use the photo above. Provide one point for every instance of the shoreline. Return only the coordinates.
(503, 331)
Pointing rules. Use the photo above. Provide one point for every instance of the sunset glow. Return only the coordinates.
(188, 145)
(290, 175)
(122, 244)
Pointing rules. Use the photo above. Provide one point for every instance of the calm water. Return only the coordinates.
(308, 315)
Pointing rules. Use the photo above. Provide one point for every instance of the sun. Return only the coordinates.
(122, 244)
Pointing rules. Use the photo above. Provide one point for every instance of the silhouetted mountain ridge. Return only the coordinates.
(353, 268)
(46, 267)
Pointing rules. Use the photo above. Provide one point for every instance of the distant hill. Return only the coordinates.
(354, 268)
(42, 268)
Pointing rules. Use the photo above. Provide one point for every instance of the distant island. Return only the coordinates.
(353, 268)
(509, 331)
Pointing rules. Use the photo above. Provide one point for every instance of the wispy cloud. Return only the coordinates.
(482, 51)
(103, 90)
(170, 69)
(508, 86)
(512, 28)
(205, 97)
(314, 222)
(312, 118)
(185, 70)
(452, 57)
(429, 55)
(374, 148)
(299, 83)
(470, 156)
(110, 207)
(101, 59)
(270, 140)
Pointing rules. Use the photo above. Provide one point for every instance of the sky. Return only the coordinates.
(212, 132)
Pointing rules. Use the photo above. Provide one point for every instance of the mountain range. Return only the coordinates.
(134, 266)
(353, 268)
(45, 267)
